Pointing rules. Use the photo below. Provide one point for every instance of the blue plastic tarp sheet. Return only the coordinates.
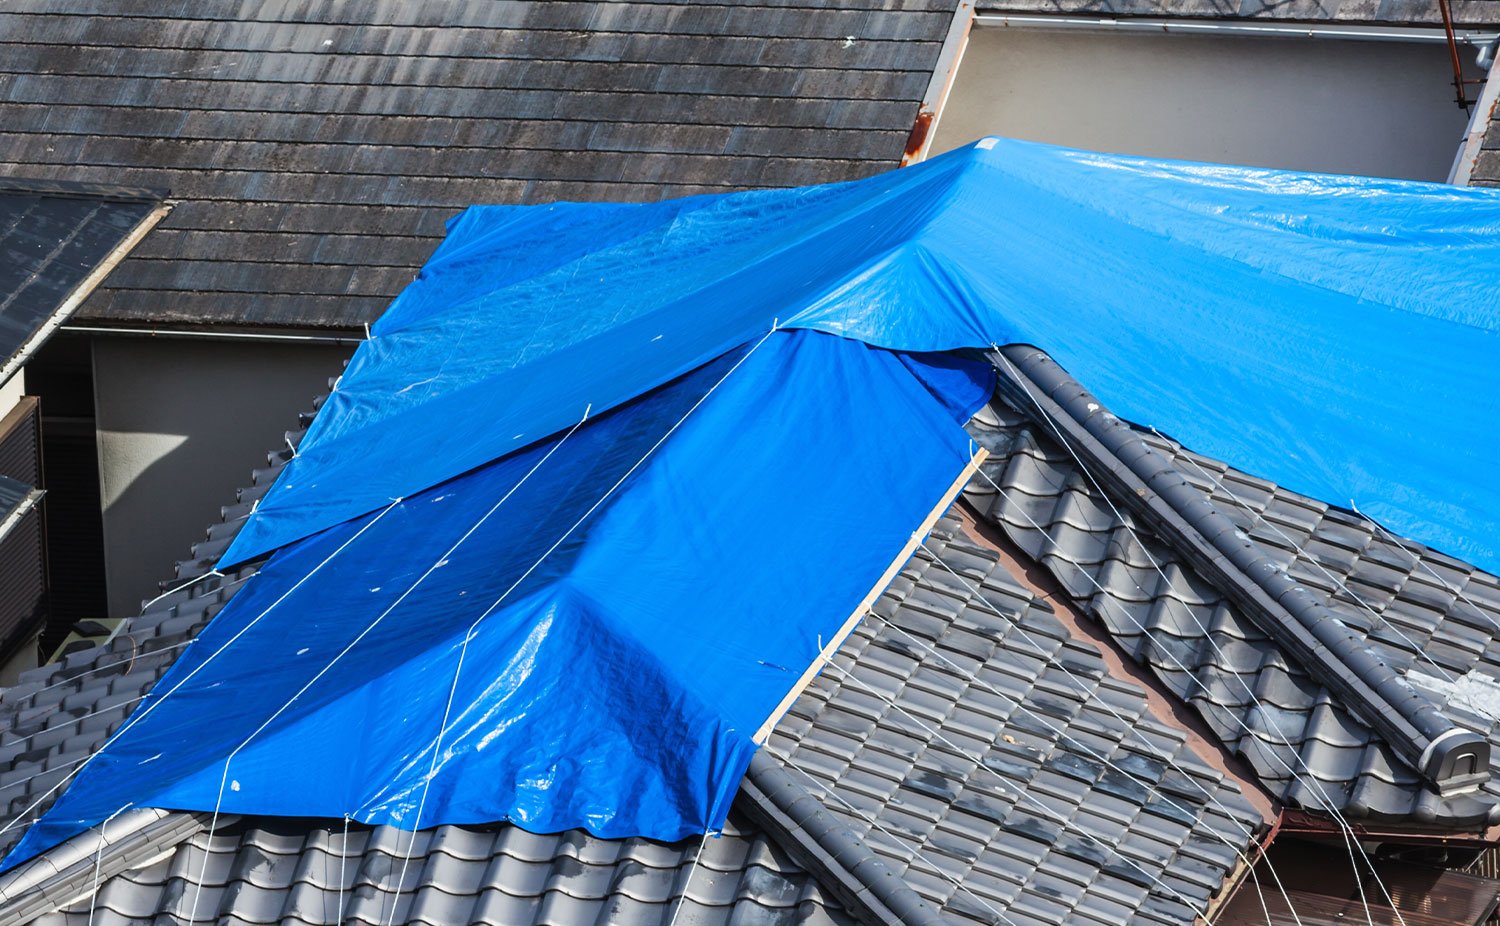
(638, 596)
(1334, 334)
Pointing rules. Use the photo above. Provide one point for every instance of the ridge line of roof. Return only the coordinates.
(1417, 730)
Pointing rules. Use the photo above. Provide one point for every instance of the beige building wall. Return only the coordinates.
(1378, 108)
(181, 424)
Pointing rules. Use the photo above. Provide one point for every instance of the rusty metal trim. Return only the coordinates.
(919, 142)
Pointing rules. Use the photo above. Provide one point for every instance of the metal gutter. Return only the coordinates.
(818, 841)
(152, 331)
(1150, 486)
(1361, 33)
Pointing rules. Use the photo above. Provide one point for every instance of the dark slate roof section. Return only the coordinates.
(53, 236)
(1260, 702)
(265, 870)
(970, 740)
(1367, 12)
(319, 148)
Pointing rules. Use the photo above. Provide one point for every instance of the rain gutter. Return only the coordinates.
(1245, 29)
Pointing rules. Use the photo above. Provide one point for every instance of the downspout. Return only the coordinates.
(1448, 756)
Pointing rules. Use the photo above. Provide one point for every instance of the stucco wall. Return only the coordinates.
(181, 424)
(1376, 108)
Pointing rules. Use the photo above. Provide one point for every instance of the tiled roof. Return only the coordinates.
(1392, 12)
(1486, 171)
(287, 871)
(1259, 701)
(970, 734)
(318, 149)
(991, 758)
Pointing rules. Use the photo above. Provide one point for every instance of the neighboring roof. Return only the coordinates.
(1209, 653)
(318, 149)
(57, 241)
(1387, 12)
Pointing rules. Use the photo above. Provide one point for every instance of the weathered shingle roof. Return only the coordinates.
(1433, 618)
(54, 237)
(318, 148)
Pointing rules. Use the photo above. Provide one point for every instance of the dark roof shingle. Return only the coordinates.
(318, 148)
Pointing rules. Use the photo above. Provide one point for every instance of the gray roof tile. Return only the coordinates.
(268, 871)
(1255, 699)
(957, 777)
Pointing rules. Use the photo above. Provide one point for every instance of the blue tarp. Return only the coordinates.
(632, 640)
(1334, 334)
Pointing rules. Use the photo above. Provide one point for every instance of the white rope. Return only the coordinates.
(97, 669)
(901, 845)
(1319, 793)
(1348, 831)
(1417, 650)
(343, 857)
(1422, 562)
(99, 859)
(136, 718)
(169, 592)
(469, 635)
(692, 870)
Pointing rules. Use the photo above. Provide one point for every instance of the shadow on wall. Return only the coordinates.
(181, 426)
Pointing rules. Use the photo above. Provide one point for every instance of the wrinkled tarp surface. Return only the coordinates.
(632, 639)
(1334, 334)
